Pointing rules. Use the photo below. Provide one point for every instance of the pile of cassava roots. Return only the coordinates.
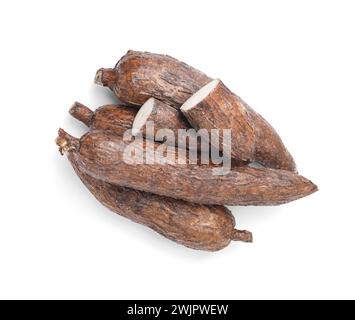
(183, 201)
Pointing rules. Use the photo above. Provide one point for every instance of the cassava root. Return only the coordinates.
(214, 106)
(113, 118)
(167, 186)
(195, 226)
(103, 156)
(162, 116)
(119, 120)
(139, 76)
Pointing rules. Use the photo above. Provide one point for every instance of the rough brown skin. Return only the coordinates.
(101, 154)
(114, 118)
(253, 139)
(221, 110)
(164, 117)
(201, 227)
(118, 119)
(269, 148)
(141, 75)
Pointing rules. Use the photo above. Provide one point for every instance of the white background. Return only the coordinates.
(293, 61)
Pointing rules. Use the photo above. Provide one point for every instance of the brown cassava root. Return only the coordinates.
(113, 118)
(141, 75)
(195, 226)
(177, 188)
(103, 156)
(214, 106)
(119, 119)
(162, 116)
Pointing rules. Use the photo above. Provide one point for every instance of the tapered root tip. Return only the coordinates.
(106, 77)
(314, 187)
(81, 113)
(307, 188)
(242, 235)
(66, 142)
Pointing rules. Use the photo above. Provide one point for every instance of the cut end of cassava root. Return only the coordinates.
(215, 106)
(142, 116)
(81, 113)
(242, 235)
(106, 77)
(66, 142)
(200, 95)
